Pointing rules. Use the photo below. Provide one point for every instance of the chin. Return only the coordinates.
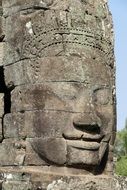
(80, 154)
(85, 153)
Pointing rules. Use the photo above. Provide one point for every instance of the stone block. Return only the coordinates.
(24, 37)
(19, 5)
(16, 185)
(44, 148)
(34, 124)
(78, 154)
(45, 181)
(45, 69)
(38, 180)
(43, 124)
(1, 104)
(62, 68)
(1, 25)
(32, 158)
(59, 65)
(18, 153)
(10, 127)
(11, 154)
(40, 34)
(59, 96)
(1, 130)
(1, 53)
(50, 96)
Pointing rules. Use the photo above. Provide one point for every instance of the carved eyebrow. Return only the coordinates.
(100, 87)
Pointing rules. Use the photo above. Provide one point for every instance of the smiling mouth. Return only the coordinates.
(83, 136)
(90, 143)
(83, 145)
(84, 141)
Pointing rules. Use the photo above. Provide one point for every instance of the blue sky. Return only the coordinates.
(118, 9)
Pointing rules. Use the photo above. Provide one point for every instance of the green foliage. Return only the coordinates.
(121, 166)
(121, 142)
(120, 151)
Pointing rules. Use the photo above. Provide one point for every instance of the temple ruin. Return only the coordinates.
(57, 95)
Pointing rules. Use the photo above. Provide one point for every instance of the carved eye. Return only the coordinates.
(101, 96)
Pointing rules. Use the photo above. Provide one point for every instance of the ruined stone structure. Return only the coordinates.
(57, 95)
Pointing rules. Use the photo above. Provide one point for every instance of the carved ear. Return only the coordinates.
(51, 149)
(104, 146)
(102, 150)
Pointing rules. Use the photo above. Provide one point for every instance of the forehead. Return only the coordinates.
(87, 70)
(75, 69)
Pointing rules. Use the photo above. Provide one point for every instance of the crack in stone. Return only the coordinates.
(53, 81)
(46, 110)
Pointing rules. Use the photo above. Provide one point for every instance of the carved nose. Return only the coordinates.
(87, 123)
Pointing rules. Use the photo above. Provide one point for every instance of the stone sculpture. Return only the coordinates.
(59, 68)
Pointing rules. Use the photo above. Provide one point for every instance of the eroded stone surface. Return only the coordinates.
(61, 23)
(47, 181)
(1, 53)
(1, 105)
(11, 153)
(64, 68)
(59, 67)
(61, 96)
(54, 149)
(18, 153)
(1, 130)
(22, 181)
(59, 77)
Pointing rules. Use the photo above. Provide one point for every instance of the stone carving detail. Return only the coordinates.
(36, 45)
(59, 67)
(59, 184)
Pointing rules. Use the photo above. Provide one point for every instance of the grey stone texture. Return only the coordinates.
(57, 114)
(44, 179)
(1, 53)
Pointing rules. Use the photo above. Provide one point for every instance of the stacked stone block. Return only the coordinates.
(58, 114)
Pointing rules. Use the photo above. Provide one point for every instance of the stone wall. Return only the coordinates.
(57, 95)
(1, 73)
(37, 180)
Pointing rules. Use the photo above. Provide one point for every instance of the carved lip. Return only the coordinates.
(83, 136)
(84, 145)
(92, 137)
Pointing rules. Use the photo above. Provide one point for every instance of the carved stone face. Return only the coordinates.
(63, 99)
(71, 112)
(76, 124)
